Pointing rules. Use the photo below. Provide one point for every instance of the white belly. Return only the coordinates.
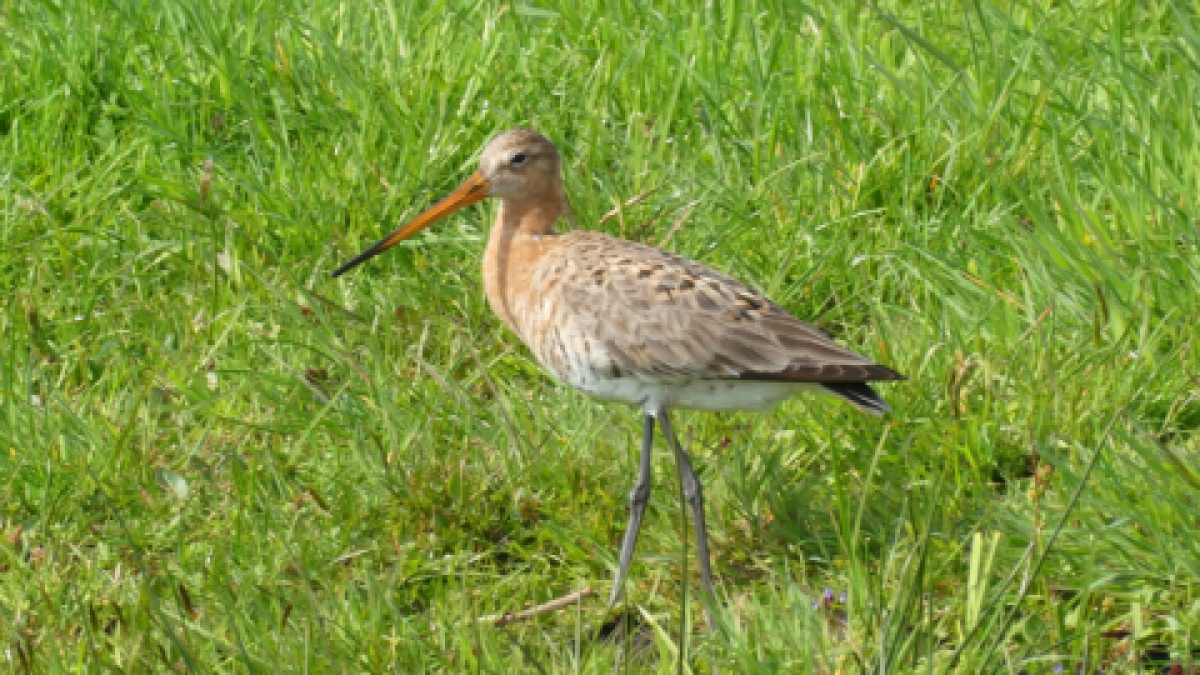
(693, 394)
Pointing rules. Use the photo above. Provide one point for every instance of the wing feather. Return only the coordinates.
(646, 311)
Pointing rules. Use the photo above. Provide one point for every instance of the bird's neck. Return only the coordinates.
(534, 217)
(523, 234)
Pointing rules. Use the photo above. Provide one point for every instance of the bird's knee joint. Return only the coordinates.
(639, 496)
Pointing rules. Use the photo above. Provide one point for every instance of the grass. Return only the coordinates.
(215, 458)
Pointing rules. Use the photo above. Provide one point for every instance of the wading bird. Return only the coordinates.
(629, 322)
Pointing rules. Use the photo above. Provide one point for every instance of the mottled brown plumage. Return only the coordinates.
(633, 323)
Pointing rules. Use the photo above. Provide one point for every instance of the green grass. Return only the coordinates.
(216, 458)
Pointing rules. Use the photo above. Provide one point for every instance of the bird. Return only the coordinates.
(629, 322)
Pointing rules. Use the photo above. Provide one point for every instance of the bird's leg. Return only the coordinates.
(638, 498)
(694, 495)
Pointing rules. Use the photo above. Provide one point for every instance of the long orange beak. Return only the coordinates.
(472, 190)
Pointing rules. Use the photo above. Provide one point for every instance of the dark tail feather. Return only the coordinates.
(860, 394)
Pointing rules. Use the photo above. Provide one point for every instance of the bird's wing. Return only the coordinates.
(644, 310)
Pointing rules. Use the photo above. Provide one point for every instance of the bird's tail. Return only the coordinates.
(860, 394)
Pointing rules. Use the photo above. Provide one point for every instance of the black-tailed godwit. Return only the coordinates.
(629, 322)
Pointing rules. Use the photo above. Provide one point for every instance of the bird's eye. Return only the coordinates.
(517, 159)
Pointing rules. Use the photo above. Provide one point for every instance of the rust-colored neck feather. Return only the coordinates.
(534, 216)
(523, 234)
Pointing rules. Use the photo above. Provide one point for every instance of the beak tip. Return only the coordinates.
(353, 263)
(474, 190)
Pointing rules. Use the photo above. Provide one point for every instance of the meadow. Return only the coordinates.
(216, 458)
